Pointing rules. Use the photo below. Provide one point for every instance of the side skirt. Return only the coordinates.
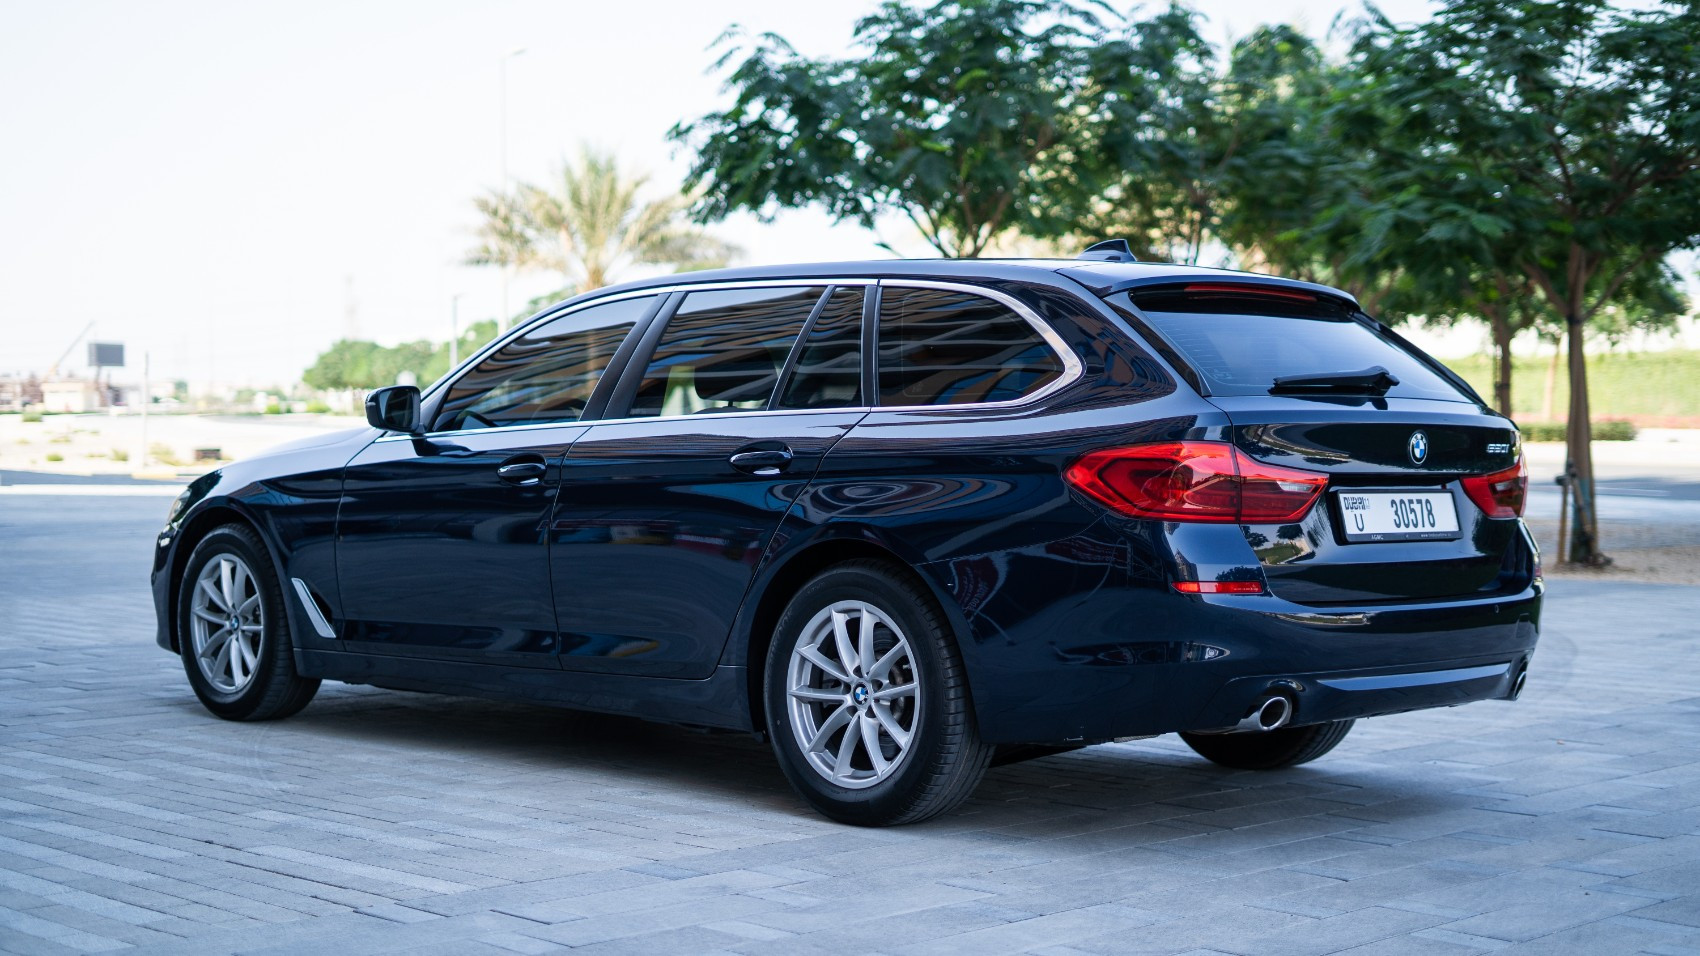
(718, 701)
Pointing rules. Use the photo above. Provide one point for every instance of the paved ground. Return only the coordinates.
(379, 822)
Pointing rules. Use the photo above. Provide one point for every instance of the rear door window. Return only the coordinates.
(723, 350)
(1239, 343)
(947, 347)
(828, 373)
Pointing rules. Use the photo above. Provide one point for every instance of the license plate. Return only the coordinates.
(1398, 515)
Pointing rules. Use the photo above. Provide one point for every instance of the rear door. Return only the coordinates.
(665, 509)
(1295, 372)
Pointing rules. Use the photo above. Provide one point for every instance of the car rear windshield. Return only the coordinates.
(1239, 343)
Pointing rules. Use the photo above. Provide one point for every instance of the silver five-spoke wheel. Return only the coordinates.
(226, 622)
(853, 697)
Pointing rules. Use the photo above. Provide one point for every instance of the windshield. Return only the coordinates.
(1239, 343)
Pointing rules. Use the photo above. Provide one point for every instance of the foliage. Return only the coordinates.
(1240, 153)
(353, 364)
(590, 225)
(1608, 430)
(968, 117)
(32, 415)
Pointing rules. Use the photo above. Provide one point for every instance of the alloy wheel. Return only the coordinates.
(853, 695)
(226, 621)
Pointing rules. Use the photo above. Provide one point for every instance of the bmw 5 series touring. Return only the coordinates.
(901, 518)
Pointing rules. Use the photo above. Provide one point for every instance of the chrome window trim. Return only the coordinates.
(536, 426)
(1072, 367)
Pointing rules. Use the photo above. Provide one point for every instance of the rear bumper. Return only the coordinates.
(1344, 695)
(1138, 661)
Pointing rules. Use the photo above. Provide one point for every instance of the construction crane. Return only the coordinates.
(54, 370)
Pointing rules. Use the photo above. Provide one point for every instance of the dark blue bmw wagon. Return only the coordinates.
(902, 518)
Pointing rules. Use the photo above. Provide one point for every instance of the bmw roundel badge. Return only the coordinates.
(1418, 447)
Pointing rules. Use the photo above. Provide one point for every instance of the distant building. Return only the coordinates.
(72, 396)
(17, 394)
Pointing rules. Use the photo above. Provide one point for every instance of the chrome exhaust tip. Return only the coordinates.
(1272, 713)
(1517, 684)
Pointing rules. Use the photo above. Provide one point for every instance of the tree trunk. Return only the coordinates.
(1585, 528)
(1500, 321)
(1552, 380)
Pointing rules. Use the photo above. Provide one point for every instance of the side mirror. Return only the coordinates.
(395, 408)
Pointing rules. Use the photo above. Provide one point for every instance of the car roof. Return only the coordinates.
(1101, 278)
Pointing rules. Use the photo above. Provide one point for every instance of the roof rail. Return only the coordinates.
(1110, 250)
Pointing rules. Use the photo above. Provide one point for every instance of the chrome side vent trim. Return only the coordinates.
(322, 626)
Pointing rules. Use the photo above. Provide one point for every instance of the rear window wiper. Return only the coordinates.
(1374, 380)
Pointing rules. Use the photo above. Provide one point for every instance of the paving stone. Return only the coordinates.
(384, 822)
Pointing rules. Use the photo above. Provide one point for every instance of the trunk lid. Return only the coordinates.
(1384, 451)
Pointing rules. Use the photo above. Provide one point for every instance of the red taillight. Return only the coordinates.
(1501, 494)
(1195, 481)
(1219, 587)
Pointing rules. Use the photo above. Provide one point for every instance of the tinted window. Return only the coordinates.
(829, 365)
(1239, 344)
(939, 347)
(545, 374)
(723, 351)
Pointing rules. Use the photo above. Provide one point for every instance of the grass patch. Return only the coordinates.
(1620, 384)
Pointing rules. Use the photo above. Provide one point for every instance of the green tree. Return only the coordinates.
(356, 365)
(589, 225)
(1577, 119)
(347, 364)
(971, 118)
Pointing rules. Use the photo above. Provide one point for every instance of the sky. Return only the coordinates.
(230, 187)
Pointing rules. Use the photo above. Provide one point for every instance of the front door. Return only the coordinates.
(664, 513)
(442, 540)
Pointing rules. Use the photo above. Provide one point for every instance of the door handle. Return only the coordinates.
(524, 472)
(763, 461)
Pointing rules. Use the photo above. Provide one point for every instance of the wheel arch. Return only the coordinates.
(795, 569)
(193, 530)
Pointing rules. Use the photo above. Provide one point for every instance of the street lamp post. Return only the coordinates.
(506, 193)
(454, 330)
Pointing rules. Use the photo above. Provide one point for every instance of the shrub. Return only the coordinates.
(274, 409)
(317, 407)
(1554, 431)
(55, 456)
(119, 454)
(32, 416)
(1614, 431)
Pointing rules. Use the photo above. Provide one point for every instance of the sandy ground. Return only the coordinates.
(115, 444)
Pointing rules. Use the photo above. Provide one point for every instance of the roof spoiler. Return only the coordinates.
(1110, 250)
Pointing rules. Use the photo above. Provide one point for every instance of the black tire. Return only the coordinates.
(945, 758)
(274, 689)
(1272, 749)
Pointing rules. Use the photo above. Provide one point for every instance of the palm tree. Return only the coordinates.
(593, 224)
